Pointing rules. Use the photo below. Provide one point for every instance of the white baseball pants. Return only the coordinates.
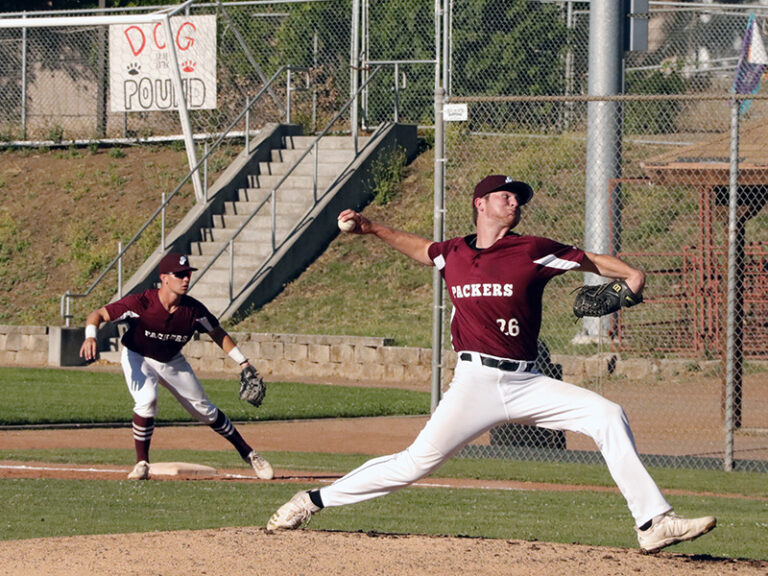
(481, 398)
(143, 374)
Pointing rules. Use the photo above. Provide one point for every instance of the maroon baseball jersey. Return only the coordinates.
(155, 333)
(497, 292)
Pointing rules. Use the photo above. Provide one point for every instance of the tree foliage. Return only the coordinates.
(504, 48)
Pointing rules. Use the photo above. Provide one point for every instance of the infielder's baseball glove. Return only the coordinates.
(602, 299)
(252, 387)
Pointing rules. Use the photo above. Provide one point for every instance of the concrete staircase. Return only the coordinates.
(256, 243)
(263, 261)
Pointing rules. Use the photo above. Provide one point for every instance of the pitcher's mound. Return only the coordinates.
(181, 469)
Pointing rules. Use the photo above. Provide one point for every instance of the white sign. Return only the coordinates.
(140, 76)
(455, 112)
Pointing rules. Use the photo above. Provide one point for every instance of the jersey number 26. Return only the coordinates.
(508, 327)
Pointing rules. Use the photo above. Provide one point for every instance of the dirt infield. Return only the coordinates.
(241, 551)
(251, 551)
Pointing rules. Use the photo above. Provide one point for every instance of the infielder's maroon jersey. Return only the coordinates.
(497, 292)
(155, 333)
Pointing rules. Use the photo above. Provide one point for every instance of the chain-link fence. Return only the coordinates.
(521, 68)
(55, 80)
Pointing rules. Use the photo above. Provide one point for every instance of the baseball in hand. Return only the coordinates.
(347, 225)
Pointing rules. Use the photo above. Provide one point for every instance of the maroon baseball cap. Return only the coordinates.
(173, 263)
(496, 182)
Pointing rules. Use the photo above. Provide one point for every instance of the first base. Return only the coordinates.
(181, 469)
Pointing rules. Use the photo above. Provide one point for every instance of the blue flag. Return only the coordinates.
(753, 61)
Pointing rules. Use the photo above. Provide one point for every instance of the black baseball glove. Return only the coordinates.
(252, 387)
(602, 299)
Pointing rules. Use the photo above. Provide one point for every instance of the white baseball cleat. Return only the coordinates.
(262, 468)
(670, 529)
(297, 511)
(140, 471)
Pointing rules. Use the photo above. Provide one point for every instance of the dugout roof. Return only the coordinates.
(708, 163)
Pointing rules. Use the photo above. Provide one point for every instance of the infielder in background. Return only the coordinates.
(496, 280)
(161, 321)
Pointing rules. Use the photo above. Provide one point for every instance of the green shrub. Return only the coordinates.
(388, 172)
(56, 133)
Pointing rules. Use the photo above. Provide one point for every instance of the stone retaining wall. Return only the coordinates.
(23, 345)
(296, 356)
(315, 358)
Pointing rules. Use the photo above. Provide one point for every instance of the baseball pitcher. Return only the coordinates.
(496, 280)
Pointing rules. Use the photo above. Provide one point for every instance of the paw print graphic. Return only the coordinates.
(134, 68)
(188, 65)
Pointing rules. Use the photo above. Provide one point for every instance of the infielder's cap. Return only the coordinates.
(496, 182)
(173, 263)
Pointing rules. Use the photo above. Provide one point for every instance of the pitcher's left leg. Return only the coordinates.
(557, 405)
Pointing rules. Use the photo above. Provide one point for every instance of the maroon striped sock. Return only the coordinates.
(142, 436)
(224, 426)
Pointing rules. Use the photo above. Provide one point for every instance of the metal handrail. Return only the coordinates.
(229, 245)
(117, 261)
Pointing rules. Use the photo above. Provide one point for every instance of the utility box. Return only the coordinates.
(64, 344)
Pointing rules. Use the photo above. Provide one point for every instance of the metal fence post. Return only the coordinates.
(205, 171)
(102, 71)
(437, 234)
(315, 153)
(119, 269)
(354, 72)
(24, 81)
(314, 84)
(603, 140)
(248, 130)
(273, 201)
(365, 55)
(288, 96)
(162, 222)
(186, 125)
(65, 308)
(231, 268)
(732, 319)
(438, 225)
(397, 93)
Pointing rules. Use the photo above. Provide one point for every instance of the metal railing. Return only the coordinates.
(117, 262)
(272, 200)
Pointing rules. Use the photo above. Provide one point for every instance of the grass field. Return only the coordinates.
(44, 396)
(45, 507)
(50, 507)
